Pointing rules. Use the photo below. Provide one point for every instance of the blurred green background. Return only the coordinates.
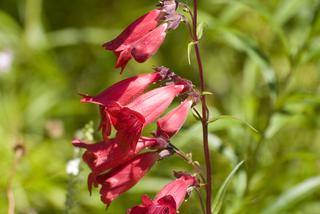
(262, 64)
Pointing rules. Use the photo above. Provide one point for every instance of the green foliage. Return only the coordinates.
(261, 62)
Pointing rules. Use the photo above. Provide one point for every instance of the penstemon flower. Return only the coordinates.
(169, 199)
(125, 176)
(142, 38)
(123, 93)
(170, 124)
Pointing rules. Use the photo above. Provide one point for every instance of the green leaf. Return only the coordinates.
(233, 118)
(200, 28)
(190, 45)
(293, 195)
(206, 93)
(217, 203)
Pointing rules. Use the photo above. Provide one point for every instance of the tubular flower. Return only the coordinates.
(125, 176)
(142, 38)
(125, 42)
(102, 156)
(123, 93)
(169, 199)
(108, 154)
(148, 106)
(148, 45)
(171, 123)
(153, 103)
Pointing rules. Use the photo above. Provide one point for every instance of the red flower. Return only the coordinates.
(168, 126)
(149, 106)
(153, 103)
(125, 176)
(108, 154)
(148, 45)
(171, 123)
(123, 45)
(123, 93)
(169, 199)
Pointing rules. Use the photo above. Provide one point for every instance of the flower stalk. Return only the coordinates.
(205, 112)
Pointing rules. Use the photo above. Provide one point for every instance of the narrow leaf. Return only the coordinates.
(190, 45)
(233, 118)
(206, 93)
(200, 28)
(217, 203)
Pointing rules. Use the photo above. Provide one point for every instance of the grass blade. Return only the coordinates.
(217, 203)
(293, 195)
(233, 118)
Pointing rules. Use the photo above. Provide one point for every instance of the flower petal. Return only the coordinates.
(153, 103)
(171, 123)
(148, 45)
(135, 31)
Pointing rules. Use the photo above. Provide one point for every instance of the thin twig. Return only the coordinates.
(19, 150)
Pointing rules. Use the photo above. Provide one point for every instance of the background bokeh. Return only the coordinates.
(261, 61)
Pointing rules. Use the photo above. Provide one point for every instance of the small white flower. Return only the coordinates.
(73, 167)
(6, 58)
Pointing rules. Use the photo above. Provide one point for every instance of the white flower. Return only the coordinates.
(73, 167)
(6, 58)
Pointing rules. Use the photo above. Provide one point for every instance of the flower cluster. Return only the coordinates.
(123, 156)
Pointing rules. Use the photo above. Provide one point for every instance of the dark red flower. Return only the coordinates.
(125, 42)
(125, 176)
(108, 154)
(123, 93)
(169, 199)
(142, 38)
(149, 106)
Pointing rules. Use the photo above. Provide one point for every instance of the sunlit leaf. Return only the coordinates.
(190, 46)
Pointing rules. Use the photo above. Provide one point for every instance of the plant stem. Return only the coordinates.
(189, 160)
(205, 113)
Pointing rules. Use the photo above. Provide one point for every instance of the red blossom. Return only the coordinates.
(102, 156)
(148, 106)
(125, 176)
(107, 154)
(135, 31)
(123, 93)
(148, 45)
(123, 45)
(153, 103)
(169, 199)
(171, 123)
